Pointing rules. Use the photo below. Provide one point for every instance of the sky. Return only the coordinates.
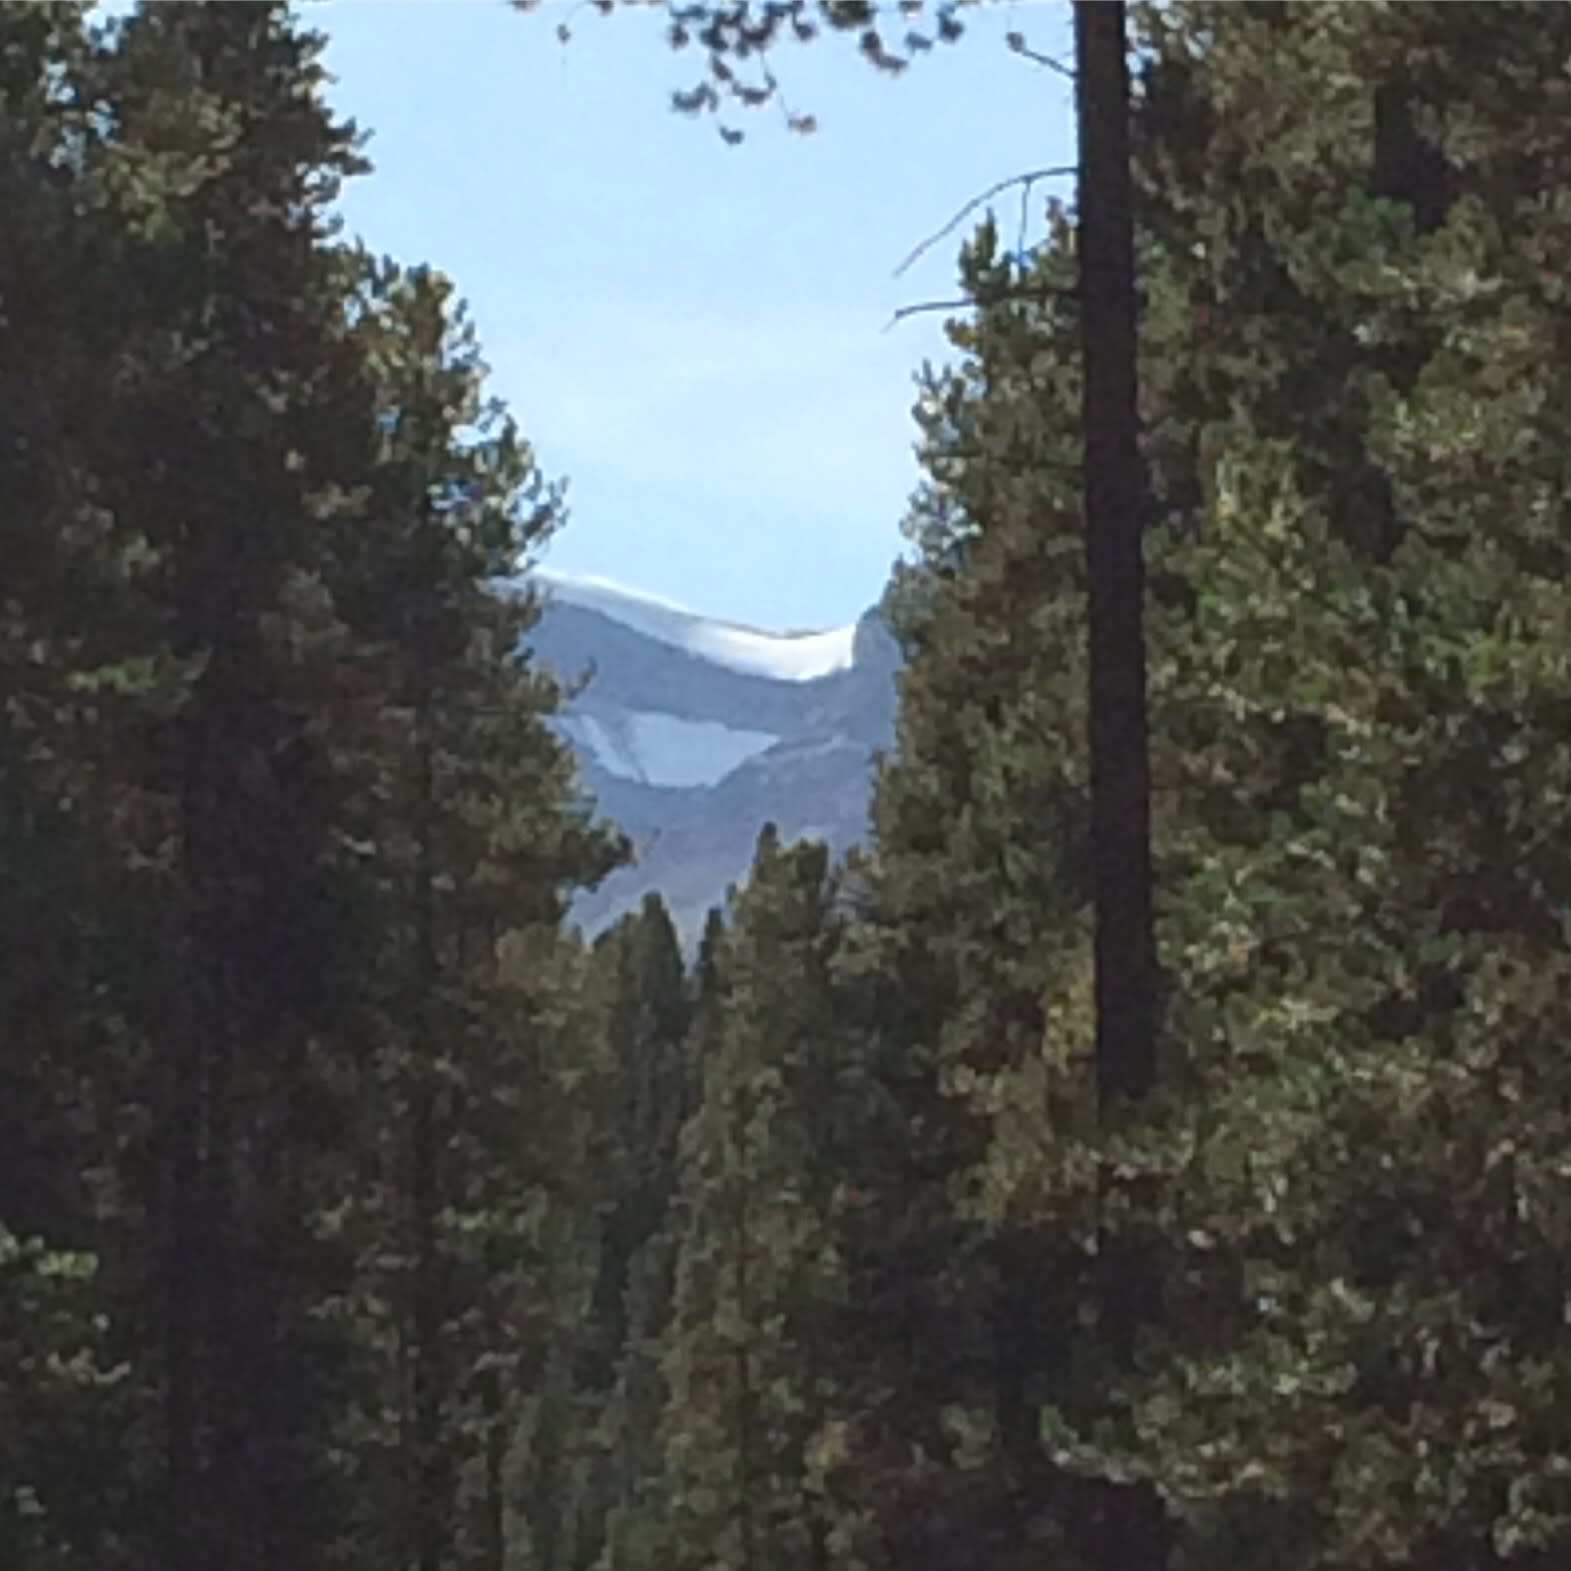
(696, 337)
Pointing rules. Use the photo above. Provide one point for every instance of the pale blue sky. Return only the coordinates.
(694, 334)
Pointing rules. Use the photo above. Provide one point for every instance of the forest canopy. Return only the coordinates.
(358, 1211)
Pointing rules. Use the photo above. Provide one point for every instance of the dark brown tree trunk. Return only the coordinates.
(1128, 1528)
(1115, 510)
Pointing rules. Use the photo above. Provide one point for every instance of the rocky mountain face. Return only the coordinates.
(693, 733)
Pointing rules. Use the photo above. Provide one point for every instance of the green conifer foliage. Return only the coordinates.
(1359, 694)
(278, 795)
(354, 1215)
(644, 1093)
(230, 433)
(747, 1354)
(1355, 654)
(467, 842)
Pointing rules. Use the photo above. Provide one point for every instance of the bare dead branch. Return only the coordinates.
(1018, 45)
(1057, 172)
(1008, 297)
(925, 306)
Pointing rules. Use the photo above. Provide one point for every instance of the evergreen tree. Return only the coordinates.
(1131, 1533)
(758, 1281)
(1330, 957)
(645, 1095)
(471, 840)
(650, 1092)
(266, 741)
(231, 434)
(90, 157)
(1355, 871)
(976, 949)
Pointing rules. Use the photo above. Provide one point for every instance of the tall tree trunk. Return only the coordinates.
(1115, 510)
(1129, 1528)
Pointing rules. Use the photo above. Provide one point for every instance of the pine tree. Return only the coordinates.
(97, 678)
(645, 1094)
(1131, 1533)
(637, 1517)
(1347, 879)
(747, 1355)
(974, 951)
(227, 440)
(281, 798)
(649, 1090)
(472, 841)
(1358, 872)
(57, 700)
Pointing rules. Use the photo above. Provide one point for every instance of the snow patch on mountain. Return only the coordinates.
(779, 657)
(665, 750)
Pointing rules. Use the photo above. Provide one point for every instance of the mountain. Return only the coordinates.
(692, 733)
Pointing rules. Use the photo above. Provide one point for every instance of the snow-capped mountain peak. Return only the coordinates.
(693, 732)
(779, 657)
